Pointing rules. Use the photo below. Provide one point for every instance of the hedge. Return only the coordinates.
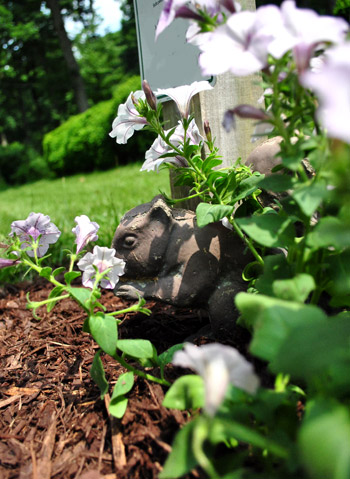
(20, 163)
(82, 143)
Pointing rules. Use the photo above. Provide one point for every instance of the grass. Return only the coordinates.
(103, 196)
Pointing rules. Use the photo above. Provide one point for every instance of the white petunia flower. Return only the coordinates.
(219, 366)
(102, 258)
(182, 95)
(128, 119)
(331, 83)
(85, 231)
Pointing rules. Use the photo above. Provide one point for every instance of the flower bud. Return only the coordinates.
(243, 111)
(207, 130)
(150, 96)
(5, 262)
(249, 111)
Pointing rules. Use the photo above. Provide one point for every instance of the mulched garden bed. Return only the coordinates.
(53, 423)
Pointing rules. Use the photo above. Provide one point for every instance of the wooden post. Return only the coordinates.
(229, 91)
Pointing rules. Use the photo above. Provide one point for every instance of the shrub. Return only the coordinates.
(20, 164)
(82, 143)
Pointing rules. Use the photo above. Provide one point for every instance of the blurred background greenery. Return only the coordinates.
(58, 96)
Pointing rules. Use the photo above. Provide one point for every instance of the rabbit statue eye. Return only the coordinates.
(129, 241)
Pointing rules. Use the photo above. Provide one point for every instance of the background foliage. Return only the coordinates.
(82, 144)
(37, 94)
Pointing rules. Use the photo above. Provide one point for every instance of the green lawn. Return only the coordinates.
(103, 196)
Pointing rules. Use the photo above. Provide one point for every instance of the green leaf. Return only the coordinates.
(118, 407)
(339, 274)
(269, 230)
(137, 348)
(207, 213)
(71, 275)
(46, 272)
(225, 186)
(277, 183)
(317, 351)
(275, 267)
(103, 329)
(123, 385)
(187, 392)
(57, 271)
(181, 459)
(210, 163)
(81, 295)
(309, 196)
(56, 291)
(293, 162)
(98, 374)
(324, 441)
(247, 186)
(167, 356)
(294, 289)
(272, 320)
(330, 231)
(119, 402)
(223, 429)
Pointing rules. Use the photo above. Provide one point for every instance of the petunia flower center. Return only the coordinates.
(33, 232)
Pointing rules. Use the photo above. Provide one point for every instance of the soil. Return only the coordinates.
(53, 422)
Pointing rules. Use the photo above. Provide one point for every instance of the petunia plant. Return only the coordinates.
(29, 241)
(296, 224)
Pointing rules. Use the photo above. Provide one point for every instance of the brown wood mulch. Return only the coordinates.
(53, 423)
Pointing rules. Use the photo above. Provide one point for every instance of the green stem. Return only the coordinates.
(73, 258)
(135, 307)
(38, 304)
(38, 269)
(247, 241)
(301, 251)
(178, 200)
(316, 295)
(142, 374)
(200, 434)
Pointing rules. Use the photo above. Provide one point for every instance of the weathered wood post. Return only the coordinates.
(229, 91)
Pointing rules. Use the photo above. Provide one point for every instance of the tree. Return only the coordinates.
(35, 89)
(107, 61)
(66, 46)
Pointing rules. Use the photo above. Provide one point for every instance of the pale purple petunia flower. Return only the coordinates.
(241, 45)
(182, 95)
(191, 10)
(85, 231)
(168, 14)
(219, 366)
(302, 30)
(128, 119)
(5, 262)
(35, 226)
(159, 147)
(331, 83)
(102, 258)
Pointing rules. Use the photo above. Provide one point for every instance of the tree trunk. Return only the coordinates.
(66, 46)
